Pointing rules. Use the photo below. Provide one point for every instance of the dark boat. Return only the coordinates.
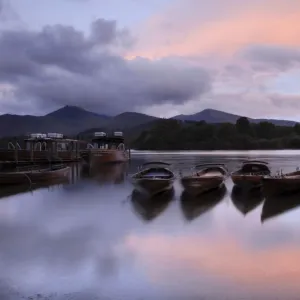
(250, 174)
(153, 178)
(33, 174)
(279, 204)
(246, 200)
(149, 207)
(281, 183)
(195, 205)
(205, 177)
(104, 149)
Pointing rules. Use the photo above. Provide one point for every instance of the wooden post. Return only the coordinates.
(77, 150)
(16, 151)
(31, 151)
(129, 153)
(50, 149)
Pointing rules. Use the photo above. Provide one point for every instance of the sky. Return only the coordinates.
(160, 57)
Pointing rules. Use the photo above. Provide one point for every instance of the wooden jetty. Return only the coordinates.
(42, 148)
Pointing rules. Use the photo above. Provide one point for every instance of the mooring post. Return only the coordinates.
(16, 151)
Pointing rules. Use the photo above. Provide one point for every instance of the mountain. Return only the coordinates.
(129, 120)
(69, 120)
(72, 120)
(74, 112)
(217, 116)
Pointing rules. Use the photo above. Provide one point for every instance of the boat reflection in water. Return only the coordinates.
(193, 206)
(246, 200)
(8, 191)
(107, 173)
(277, 205)
(150, 207)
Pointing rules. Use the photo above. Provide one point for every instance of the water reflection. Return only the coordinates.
(104, 174)
(8, 191)
(83, 241)
(246, 200)
(194, 206)
(148, 208)
(75, 172)
(277, 205)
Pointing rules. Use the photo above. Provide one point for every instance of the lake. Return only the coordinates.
(90, 239)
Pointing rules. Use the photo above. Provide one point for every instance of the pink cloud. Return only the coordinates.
(192, 27)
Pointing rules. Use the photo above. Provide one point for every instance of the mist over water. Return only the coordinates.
(94, 239)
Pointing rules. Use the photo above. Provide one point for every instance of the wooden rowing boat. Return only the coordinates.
(33, 174)
(250, 174)
(281, 183)
(205, 177)
(153, 178)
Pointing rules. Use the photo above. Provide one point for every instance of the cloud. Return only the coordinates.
(281, 58)
(60, 65)
(193, 55)
(245, 45)
(8, 16)
(199, 27)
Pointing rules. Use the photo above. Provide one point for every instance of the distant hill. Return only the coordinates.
(69, 120)
(74, 112)
(72, 120)
(217, 116)
(128, 120)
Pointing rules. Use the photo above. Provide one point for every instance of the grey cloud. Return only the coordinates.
(278, 57)
(60, 65)
(7, 14)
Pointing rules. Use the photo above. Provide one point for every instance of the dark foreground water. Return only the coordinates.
(90, 239)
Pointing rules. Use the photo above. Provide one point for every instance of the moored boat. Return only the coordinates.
(34, 174)
(281, 183)
(106, 149)
(205, 177)
(153, 177)
(250, 174)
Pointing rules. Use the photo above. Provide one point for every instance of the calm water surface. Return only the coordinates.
(92, 239)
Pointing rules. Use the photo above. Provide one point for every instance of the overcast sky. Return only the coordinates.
(161, 57)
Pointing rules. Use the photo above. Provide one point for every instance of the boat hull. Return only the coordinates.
(198, 185)
(95, 157)
(35, 176)
(152, 186)
(278, 186)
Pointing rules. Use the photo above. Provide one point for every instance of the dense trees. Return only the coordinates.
(178, 135)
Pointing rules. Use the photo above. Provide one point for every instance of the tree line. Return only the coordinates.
(183, 135)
